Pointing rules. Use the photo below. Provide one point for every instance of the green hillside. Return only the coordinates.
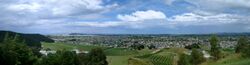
(33, 40)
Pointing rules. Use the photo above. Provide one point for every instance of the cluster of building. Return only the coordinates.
(157, 41)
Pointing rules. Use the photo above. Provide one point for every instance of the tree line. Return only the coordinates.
(196, 56)
(14, 51)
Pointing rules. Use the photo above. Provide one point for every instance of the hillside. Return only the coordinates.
(33, 40)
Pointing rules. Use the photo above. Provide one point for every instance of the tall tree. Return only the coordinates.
(215, 47)
(62, 57)
(14, 53)
(96, 57)
(246, 51)
(242, 43)
(197, 57)
(184, 60)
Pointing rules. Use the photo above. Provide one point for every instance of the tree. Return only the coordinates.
(196, 57)
(12, 52)
(82, 58)
(137, 46)
(246, 52)
(184, 60)
(215, 48)
(60, 58)
(96, 57)
(151, 46)
(242, 43)
(197, 46)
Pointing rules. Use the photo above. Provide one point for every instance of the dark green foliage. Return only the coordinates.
(151, 46)
(32, 40)
(241, 45)
(14, 52)
(197, 46)
(197, 57)
(137, 46)
(245, 50)
(82, 58)
(215, 50)
(60, 58)
(96, 57)
(184, 60)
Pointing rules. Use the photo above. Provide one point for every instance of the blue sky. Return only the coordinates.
(125, 16)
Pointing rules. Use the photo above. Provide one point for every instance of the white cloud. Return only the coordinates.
(185, 19)
(221, 6)
(99, 24)
(60, 7)
(222, 3)
(33, 7)
(142, 15)
(188, 19)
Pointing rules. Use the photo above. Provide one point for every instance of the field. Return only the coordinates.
(125, 56)
(62, 46)
(115, 56)
(233, 59)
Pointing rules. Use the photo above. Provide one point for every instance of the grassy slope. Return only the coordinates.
(163, 57)
(233, 59)
(61, 46)
(115, 56)
(119, 52)
(118, 60)
(121, 56)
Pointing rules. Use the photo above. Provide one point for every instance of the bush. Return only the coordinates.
(197, 57)
(242, 43)
(184, 60)
(246, 51)
(96, 57)
(215, 48)
(14, 52)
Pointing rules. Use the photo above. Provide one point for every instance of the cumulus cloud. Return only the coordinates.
(142, 15)
(59, 7)
(137, 19)
(222, 6)
(196, 19)
(84, 15)
(144, 20)
(33, 7)
(99, 24)
(221, 3)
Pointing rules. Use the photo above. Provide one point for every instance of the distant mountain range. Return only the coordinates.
(33, 40)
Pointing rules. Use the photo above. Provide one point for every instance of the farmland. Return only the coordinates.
(151, 49)
(123, 56)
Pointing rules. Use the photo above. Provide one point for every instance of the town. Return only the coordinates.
(159, 41)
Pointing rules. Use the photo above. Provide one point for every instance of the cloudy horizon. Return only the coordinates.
(125, 16)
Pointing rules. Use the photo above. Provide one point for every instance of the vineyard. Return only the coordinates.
(158, 58)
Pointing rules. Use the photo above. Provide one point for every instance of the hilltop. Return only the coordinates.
(33, 40)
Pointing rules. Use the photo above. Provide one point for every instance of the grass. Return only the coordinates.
(115, 56)
(137, 61)
(121, 56)
(124, 56)
(173, 50)
(163, 57)
(233, 59)
(119, 52)
(118, 60)
(62, 46)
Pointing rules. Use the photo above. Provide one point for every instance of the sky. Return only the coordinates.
(125, 16)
